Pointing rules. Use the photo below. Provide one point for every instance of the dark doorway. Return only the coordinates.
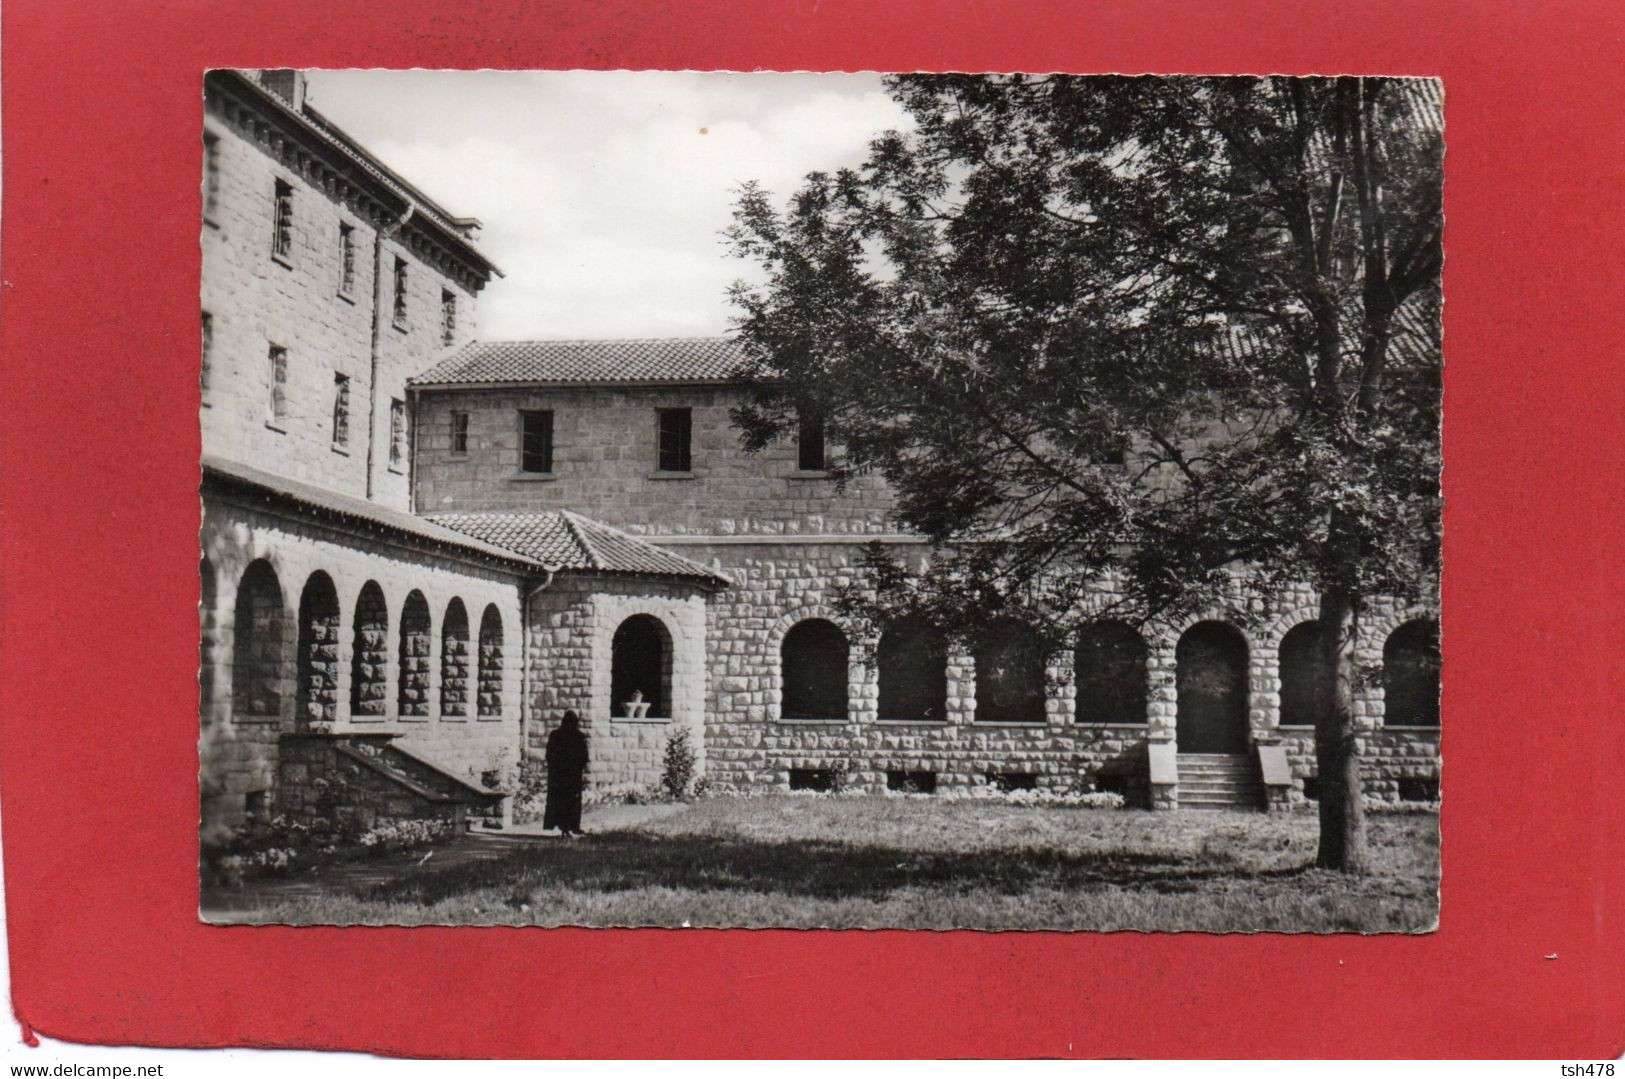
(1211, 662)
(640, 663)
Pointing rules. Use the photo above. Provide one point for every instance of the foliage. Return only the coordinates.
(677, 766)
(531, 798)
(1113, 339)
(283, 844)
(626, 794)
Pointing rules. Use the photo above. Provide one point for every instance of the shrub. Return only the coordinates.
(530, 801)
(677, 769)
(626, 794)
(284, 844)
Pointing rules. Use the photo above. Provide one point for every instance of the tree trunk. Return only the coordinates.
(1342, 813)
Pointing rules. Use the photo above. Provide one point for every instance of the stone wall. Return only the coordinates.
(572, 629)
(256, 299)
(777, 585)
(239, 752)
(604, 466)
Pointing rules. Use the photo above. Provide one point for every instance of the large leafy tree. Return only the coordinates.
(1151, 338)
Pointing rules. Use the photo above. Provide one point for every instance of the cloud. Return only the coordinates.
(604, 194)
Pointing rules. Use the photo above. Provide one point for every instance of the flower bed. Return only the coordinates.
(284, 845)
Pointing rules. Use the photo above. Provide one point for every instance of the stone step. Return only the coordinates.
(1252, 798)
(1241, 783)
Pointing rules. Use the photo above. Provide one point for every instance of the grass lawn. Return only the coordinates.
(915, 863)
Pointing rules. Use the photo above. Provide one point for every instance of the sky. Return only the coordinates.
(603, 195)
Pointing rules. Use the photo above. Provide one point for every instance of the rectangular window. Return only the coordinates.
(459, 432)
(346, 260)
(276, 404)
(536, 441)
(211, 175)
(675, 427)
(810, 444)
(448, 316)
(282, 224)
(400, 292)
(397, 432)
(208, 349)
(341, 410)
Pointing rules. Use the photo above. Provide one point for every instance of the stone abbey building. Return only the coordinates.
(420, 549)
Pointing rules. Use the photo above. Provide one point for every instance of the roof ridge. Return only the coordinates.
(639, 540)
(576, 530)
(603, 340)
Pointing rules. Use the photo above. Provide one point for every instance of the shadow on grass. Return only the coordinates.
(624, 861)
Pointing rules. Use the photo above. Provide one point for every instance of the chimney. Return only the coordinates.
(285, 83)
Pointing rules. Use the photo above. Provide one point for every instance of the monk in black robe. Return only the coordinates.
(566, 765)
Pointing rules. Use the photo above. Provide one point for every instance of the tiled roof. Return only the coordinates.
(652, 360)
(272, 487)
(563, 540)
(1415, 335)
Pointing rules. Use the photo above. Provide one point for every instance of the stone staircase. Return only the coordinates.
(364, 778)
(1220, 781)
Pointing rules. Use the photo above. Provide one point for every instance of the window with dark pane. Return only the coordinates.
(675, 433)
(459, 432)
(341, 410)
(346, 259)
(400, 292)
(276, 405)
(448, 316)
(282, 223)
(810, 444)
(535, 442)
(397, 432)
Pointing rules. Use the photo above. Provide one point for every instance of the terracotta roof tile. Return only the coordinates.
(563, 540)
(663, 359)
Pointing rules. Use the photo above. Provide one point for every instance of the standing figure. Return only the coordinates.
(566, 764)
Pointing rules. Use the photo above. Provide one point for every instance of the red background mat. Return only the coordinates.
(99, 530)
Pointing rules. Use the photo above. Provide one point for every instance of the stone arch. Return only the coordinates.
(1306, 680)
(489, 675)
(1011, 660)
(641, 655)
(257, 635)
(369, 654)
(454, 660)
(318, 653)
(815, 670)
(1411, 666)
(911, 661)
(1110, 672)
(415, 656)
(1211, 675)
